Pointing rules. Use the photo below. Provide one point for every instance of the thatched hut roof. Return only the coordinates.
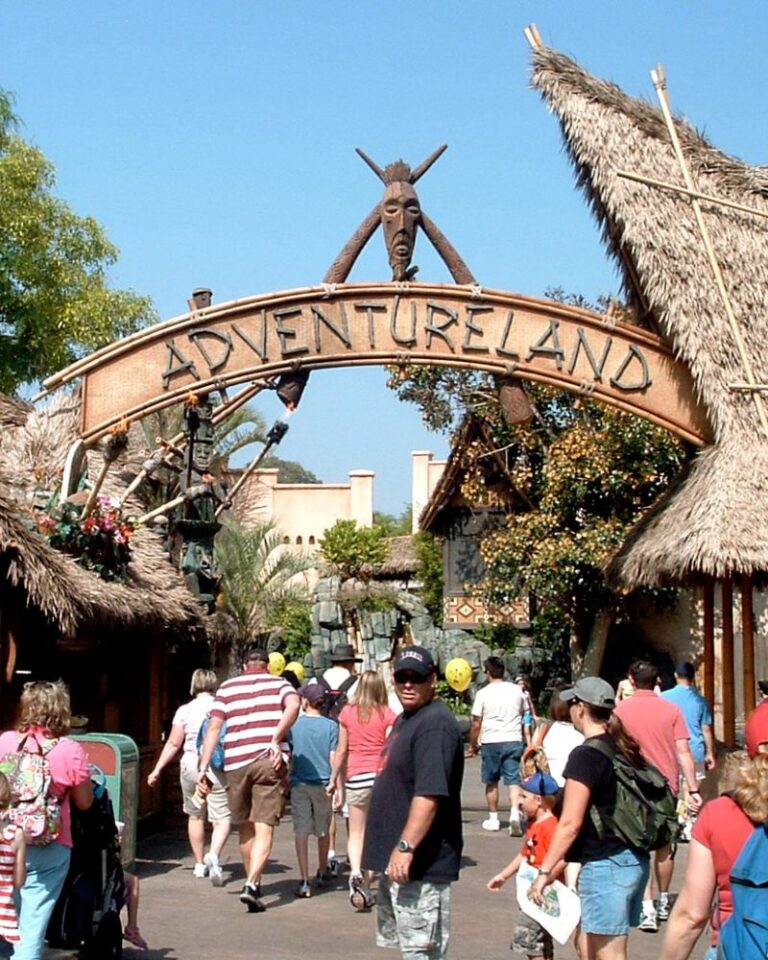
(710, 522)
(154, 596)
(401, 561)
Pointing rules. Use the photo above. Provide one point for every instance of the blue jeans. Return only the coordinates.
(46, 872)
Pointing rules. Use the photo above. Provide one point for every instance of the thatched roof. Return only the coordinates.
(155, 596)
(401, 560)
(710, 522)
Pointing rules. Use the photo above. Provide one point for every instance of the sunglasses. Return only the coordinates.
(413, 678)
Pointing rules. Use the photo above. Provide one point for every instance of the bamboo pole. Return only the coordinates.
(729, 699)
(660, 83)
(533, 36)
(240, 481)
(749, 387)
(97, 485)
(158, 511)
(748, 643)
(709, 640)
(666, 185)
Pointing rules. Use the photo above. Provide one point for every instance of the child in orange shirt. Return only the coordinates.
(538, 798)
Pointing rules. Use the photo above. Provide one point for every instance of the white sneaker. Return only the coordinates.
(649, 922)
(515, 827)
(200, 872)
(663, 907)
(492, 823)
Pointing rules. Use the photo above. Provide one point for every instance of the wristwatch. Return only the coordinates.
(404, 847)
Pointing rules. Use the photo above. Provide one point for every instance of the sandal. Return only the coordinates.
(132, 935)
(360, 897)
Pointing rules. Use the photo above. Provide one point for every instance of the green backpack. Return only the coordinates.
(645, 814)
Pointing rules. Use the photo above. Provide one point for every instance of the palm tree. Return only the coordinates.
(258, 576)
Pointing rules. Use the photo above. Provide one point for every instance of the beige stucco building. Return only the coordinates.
(302, 512)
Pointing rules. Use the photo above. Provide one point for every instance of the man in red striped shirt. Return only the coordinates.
(259, 710)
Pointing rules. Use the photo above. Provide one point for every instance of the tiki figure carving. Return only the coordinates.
(400, 218)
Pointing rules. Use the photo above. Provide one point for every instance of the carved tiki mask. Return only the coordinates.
(400, 217)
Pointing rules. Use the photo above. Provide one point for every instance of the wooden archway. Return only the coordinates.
(345, 325)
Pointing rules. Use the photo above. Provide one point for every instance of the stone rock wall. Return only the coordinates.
(383, 632)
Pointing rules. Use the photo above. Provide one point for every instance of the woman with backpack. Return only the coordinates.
(44, 722)
(613, 874)
(364, 725)
(719, 837)
(187, 721)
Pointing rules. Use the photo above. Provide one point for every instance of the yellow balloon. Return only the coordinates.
(276, 663)
(297, 669)
(458, 674)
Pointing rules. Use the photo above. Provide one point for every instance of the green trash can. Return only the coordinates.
(117, 756)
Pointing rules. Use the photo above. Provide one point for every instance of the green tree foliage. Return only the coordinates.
(393, 526)
(260, 579)
(55, 302)
(293, 618)
(589, 471)
(430, 556)
(289, 471)
(353, 551)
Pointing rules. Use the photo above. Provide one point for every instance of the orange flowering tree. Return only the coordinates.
(587, 472)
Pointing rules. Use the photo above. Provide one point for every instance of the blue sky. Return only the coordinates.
(215, 143)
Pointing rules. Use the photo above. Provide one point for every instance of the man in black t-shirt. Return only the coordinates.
(413, 833)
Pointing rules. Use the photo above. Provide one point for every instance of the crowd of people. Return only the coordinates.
(394, 776)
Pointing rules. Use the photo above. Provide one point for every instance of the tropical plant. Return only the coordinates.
(55, 301)
(431, 575)
(353, 551)
(99, 542)
(294, 621)
(259, 578)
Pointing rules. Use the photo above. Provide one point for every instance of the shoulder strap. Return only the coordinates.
(607, 750)
(541, 731)
(323, 682)
(348, 683)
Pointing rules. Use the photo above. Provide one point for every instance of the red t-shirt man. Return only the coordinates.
(656, 724)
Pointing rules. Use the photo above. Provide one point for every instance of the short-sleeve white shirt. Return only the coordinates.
(190, 716)
(500, 706)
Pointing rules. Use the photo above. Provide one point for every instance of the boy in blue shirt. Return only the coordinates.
(313, 739)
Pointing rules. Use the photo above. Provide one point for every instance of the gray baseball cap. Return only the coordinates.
(591, 690)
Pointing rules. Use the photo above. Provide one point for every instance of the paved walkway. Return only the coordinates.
(187, 919)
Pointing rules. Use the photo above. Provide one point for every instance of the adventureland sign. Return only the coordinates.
(386, 323)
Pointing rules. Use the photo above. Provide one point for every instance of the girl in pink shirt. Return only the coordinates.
(364, 726)
(45, 717)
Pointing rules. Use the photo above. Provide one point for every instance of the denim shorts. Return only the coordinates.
(611, 892)
(501, 761)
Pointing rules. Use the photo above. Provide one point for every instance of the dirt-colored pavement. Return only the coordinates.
(187, 919)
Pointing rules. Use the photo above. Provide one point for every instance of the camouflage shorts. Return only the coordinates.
(531, 939)
(414, 918)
